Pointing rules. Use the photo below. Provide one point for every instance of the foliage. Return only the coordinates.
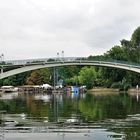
(116, 53)
(38, 77)
(69, 74)
(19, 79)
(35, 78)
(97, 57)
(116, 85)
(87, 76)
(135, 39)
(121, 86)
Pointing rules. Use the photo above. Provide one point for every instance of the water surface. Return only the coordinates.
(86, 116)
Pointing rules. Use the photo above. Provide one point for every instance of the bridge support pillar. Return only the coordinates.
(1, 70)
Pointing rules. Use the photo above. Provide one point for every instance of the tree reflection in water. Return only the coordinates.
(114, 112)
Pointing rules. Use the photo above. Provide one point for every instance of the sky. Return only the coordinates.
(44, 28)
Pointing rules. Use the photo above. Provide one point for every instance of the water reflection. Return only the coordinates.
(8, 96)
(112, 116)
(44, 98)
(137, 96)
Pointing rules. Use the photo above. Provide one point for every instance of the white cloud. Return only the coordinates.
(40, 28)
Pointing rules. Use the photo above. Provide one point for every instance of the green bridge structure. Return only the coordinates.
(13, 67)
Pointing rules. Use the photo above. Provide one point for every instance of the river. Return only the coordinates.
(114, 116)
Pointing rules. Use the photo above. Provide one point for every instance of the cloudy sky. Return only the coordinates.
(41, 28)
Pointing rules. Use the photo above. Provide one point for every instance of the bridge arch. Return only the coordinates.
(29, 67)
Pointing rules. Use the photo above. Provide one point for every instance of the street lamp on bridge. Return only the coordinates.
(57, 56)
(2, 57)
(62, 54)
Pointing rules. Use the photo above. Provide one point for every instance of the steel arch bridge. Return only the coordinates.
(20, 66)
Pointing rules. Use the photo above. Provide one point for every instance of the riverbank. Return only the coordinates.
(103, 90)
(111, 90)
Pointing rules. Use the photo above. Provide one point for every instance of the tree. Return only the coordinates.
(87, 76)
(10, 81)
(39, 77)
(135, 39)
(116, 53)
(67, 73)
(46, 75)
(35, 78)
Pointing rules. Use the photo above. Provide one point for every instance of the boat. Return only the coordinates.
(7, 89)
(10, 123)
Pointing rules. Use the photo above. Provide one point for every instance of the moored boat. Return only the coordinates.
(7, 89)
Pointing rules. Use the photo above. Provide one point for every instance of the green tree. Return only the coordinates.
(117, 53)
(69, 74)
(135, 39)
(87, 76)
(47, 75)
(10, 81)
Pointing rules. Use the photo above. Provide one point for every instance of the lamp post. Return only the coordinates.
(57, 56)
(62, 54)
(55, 73)
(54, 77)
(1, 57)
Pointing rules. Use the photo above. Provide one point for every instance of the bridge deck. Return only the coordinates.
(26, 65)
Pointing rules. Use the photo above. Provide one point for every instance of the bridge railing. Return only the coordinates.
(132, 64)
(42, 60)
(65, 59)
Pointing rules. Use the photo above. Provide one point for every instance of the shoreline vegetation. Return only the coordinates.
(112, 90)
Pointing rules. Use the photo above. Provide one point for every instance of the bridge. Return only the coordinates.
(20, 66)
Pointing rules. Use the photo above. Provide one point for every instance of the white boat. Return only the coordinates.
(10, 123)
(8, 89)
(71, 120)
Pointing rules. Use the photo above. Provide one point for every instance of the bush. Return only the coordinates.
(121, 86)
(116, 85)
